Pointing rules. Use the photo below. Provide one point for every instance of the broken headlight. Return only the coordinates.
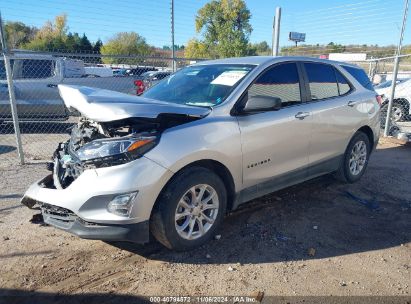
(104, 152)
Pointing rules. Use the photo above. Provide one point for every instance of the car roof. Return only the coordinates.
(259, 60)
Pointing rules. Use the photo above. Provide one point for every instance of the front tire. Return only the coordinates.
(355, 159)
(189, 210)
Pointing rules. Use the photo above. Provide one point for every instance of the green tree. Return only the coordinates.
(196, 49)
(125, 43)
(52, 36)
(97, 46)
(17, 34)
(97, 50)
(70, 42)
(335, 48)
(226, 28)
(262, 48)
(176, 47)
(85, 44)
(259, 48)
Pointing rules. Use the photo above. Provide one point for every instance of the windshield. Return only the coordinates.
(201, 85)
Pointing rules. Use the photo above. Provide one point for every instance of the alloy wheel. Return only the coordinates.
(396, 113)
(358, 157)
(196, 211)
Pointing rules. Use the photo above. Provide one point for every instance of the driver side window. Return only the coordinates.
(280, 81)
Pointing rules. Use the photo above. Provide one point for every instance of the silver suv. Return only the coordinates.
(200, 143)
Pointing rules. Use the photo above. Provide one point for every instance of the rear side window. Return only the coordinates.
(360, 75)
(281, 81)
(322, 80)
(33, 68)
(343, 85)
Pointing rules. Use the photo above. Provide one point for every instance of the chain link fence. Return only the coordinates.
(43, 119)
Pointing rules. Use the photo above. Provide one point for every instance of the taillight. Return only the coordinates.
(379, 99)
(140, 86)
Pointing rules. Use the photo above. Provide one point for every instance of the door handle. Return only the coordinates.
(302, 115)
(52, 85)
(351, 103)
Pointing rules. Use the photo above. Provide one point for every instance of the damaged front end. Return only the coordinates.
(114, 131)
(103, 144)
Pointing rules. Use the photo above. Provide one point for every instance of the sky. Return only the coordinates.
(323, 21)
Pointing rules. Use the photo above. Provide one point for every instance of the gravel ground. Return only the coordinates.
(319, 238)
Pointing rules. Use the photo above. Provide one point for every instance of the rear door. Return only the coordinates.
(275, 143)
(334, 118)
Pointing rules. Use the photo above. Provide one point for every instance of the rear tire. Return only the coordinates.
(355, 159)
(398, 113)
(189, 210)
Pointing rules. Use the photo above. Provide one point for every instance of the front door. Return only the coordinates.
(275, 143)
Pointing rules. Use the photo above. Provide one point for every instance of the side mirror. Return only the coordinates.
(261, 103)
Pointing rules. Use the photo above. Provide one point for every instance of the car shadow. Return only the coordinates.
(17, 296)
(318, 219)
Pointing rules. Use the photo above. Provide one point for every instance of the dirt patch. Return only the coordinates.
(318, 238)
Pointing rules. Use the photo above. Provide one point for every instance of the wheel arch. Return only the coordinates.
(215, 166)
(369, 132)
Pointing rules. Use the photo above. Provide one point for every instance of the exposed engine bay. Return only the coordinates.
(102, 144)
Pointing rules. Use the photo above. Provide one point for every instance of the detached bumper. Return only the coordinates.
(136, 233)
(66, 220)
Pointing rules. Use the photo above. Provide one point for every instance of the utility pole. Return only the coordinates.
(172, 36)
(12, 95)
(395, 71)
(276, 31)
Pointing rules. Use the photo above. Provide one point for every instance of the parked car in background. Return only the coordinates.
(93, 71)
(119, 72)
(139, 70)
(401, 109)
(149, 79)
(199, 144)
(35, 79)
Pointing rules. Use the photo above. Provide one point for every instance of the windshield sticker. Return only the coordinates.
(229, 78)
(200, 104)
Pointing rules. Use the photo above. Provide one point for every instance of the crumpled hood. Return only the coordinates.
(104, 105)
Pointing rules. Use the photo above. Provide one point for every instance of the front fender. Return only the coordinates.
(210, 138)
